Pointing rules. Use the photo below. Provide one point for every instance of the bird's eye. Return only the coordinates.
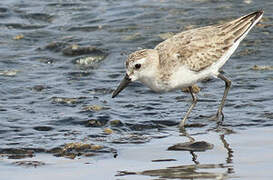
(137, 66)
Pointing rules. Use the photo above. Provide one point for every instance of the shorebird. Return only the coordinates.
(187, 58)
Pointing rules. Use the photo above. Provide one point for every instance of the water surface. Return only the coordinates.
(46, 92)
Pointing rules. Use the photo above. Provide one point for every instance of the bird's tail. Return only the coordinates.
(241, 26)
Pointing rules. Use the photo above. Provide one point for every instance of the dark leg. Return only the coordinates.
(194, 101)
(220, 109)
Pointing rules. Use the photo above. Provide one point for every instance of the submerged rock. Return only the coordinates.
(4, 12)
(93, 108)
(132, 138)
(78, 74)
(42, 128)
(29, 163)
(46, 60)
(63, 100)
(38, 87)
(9, 72)
(80, 146)
(75, 50)
(116, 123)
(95, 123)
(55, 46)
(2, 109)
(100, 91)
(261, 68)
(108, 131)
(72, 150)
(191, 146)
(40, 17)
(19, 153)
(247, 52)
(89, 60)
(142, 126)
(69, 150)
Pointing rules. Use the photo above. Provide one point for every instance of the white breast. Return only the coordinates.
(155, 84)
(184, 77)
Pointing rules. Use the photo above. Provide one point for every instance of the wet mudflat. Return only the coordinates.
(61, 60)
(238, 155)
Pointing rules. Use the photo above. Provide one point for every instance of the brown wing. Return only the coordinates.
(199, 48)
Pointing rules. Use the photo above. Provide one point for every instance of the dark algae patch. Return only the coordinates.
(29, 163)
(17, 153)
(69, 150)
(76, 50)
(43, 128)
(163, 160)
(72, 150)
(195, 146)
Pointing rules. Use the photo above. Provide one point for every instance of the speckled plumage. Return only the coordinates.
(189, 57)
(199, 48)
(195, 50)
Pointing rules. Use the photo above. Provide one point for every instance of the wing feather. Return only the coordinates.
(199, 48)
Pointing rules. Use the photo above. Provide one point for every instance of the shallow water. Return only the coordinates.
(49, 97)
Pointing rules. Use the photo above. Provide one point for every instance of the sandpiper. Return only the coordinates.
(187, 58)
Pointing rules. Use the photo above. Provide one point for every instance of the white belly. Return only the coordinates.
(184, 77)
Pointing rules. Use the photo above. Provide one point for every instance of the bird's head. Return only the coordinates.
(139, 65)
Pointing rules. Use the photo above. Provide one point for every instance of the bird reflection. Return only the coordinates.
(229, 158)
(194, 158)
(197, 170)
(222, 133)
(191, 139)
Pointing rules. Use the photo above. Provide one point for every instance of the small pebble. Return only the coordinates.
(108, 131)
(116, 123)
(18, 37)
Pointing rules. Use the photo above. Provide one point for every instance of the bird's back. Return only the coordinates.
(199, 48)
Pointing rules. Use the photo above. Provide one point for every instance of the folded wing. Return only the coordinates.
(199, 48)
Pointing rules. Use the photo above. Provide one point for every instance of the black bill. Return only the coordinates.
(126, 80)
